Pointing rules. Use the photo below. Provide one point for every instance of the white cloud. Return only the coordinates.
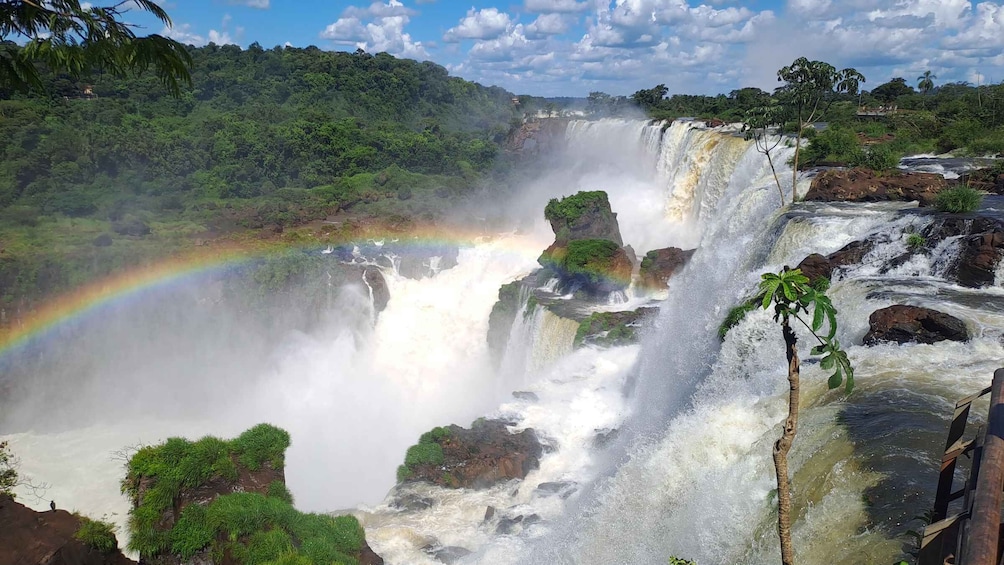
(487, 23)
(548, 24)
(554, 6)
(260, 4)
(378, 28)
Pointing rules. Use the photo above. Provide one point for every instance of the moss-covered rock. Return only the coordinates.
(479, 457)
(660, 264)
(611, 329)
(501, 319)
(217, 500)
(584, 215)
(596, 266)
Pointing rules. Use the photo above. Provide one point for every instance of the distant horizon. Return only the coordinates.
(568, 48)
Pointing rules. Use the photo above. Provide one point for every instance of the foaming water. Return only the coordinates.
(659, 449)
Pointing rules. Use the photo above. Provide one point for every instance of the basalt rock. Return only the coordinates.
(913, 324)
(817, 266)
(988, 180)
(660, 264)
(47, 538)
(596, 267)
(584, 215)
(479, 457)
(611, 329)
(501, 319)
(373, 278)
(980, 247)
(865, 185)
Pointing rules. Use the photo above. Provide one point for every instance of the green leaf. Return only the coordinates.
(767, 297)
(834, 380)
(817, 318)
(827, 362)
(789, 292)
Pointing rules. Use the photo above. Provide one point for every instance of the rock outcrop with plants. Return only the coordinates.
(479, 457)
(219, 501)
(54, 537)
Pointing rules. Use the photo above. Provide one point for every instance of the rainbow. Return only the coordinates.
(78, 303)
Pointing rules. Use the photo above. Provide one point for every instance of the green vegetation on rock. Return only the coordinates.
(592, 259)
(608, 329)
(570, 208)
(958, 200)
(915, 241)
(428, 451)
(96, 534)
(164, 470)
(736, 315)
(251, 527)
(257, 529)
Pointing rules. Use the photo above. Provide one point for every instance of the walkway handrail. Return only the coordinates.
(981, 547)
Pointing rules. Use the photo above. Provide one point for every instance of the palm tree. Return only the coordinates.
(925, 82)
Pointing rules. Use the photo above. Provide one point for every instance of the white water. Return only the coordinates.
(689, 473)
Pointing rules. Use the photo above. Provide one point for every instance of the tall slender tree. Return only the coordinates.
(77, 38)
(793, 297)
(808, 90)
(925, 82)
(765, 126)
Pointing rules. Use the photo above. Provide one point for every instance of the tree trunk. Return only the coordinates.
(783, 445)
(794, 166)
(777, 180)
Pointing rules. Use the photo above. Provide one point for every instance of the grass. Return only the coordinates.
(592, 258)
(179, 464)
(428, 451)
(258, 529)
(958, 200)
(569, 209)
(915, 241)
(606, 328)
(97, 534)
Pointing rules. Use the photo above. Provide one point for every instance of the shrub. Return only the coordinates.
(424, 454)
(915, 241)
(262, 443)
(571, 207)
(97, 534)
(278, 489)
(735, 316)
(959, 200)
(877, 157)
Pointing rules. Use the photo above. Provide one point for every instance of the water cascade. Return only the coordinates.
(652, 450)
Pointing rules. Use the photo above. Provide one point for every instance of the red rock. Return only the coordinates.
(905, 324)
(660, 264)
(46, 538)
(864, 185)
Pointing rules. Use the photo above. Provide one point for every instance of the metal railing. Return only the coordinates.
(972, 535)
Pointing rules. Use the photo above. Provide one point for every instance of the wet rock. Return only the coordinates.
(133, 227)
(46, 538)
(450, 554)
(660, 264)
(817, 266)
(373, 278)
(420, 261)
(612, 329)
(525, 395)
(489, 513)
(604, 437)
(595, 267)
(865, 185)
(978, 258)
(980, 247)
(412, 502)
(479, 457)
(502, 317)
(913, 324)
(531, 519)
(584, 215)
(508, 525)
(564, 489)
(987, 180)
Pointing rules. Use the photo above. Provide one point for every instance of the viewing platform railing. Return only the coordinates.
(972, 535)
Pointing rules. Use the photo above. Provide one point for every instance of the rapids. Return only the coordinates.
(688, 472)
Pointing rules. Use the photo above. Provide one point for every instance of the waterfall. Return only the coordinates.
(665, 446)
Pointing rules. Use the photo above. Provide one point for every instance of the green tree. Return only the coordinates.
(76, 39)
(808, 89)
(764, 125)
(792, 296)
(651, 97)
(925, 82)
(10, 478)
(892, 90)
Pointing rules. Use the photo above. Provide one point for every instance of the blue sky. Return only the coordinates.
(572, 47)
